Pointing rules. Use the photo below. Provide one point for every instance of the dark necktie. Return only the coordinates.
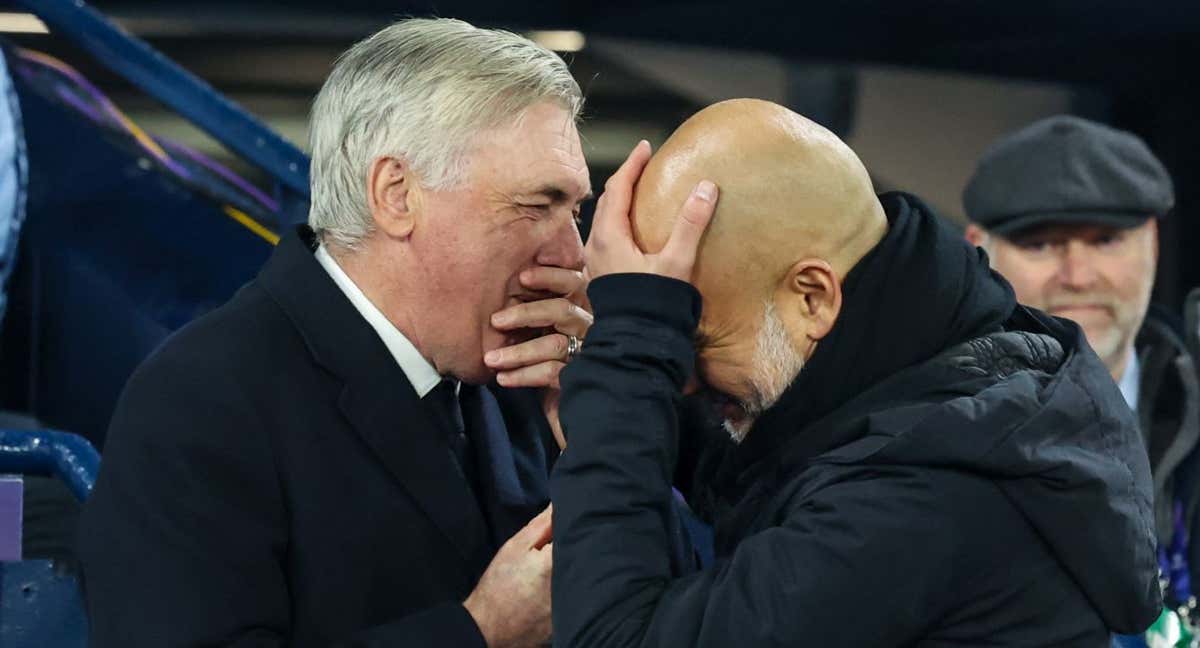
(446, 408)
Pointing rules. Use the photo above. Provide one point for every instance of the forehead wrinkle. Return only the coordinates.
(553, 158)
(577, 183)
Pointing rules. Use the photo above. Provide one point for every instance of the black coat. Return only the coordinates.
(1169, 415)
(997, 494)
(272, 478)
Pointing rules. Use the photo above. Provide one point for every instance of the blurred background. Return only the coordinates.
(151, 152)
(918, 89)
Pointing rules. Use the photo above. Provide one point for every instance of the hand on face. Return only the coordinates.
(563, 313)
(611, 248)
(538, 362)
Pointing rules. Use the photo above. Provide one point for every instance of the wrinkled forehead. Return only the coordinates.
(540, 147)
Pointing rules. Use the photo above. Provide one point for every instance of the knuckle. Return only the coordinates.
(518, 356)
(563, 309)
(692, 218)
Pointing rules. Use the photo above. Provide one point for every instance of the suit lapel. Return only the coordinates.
(413, 449)
(377, 399)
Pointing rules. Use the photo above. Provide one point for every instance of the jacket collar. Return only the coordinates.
(376, 398)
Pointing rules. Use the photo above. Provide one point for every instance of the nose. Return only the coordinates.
(564, 249)
(1075, 269)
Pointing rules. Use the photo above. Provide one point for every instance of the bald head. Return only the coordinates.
(790, 190)
(796, 212)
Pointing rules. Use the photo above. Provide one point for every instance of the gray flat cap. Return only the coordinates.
(1067, 170)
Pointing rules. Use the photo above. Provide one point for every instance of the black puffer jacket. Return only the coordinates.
(996, 493)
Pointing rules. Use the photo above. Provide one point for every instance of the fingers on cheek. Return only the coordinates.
(515, 378)
(551, 372)
(539, 375)
(500, 358)
(563, 310)
(548, 373)
(581, 314)
(505, 379)
(537, 278)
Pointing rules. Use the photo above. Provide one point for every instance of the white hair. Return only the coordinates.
(420, 90)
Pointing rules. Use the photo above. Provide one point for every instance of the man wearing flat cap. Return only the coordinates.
(1067, 210)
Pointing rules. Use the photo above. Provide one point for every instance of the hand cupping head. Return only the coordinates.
(797, 212)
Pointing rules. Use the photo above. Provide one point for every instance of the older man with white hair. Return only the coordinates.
(355, 448)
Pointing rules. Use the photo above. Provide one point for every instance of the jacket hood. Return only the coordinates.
(1033, 409)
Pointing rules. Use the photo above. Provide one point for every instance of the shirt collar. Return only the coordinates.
(1131, 381)
(416, 368)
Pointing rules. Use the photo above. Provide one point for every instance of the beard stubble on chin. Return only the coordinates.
(1110, 339)
(775, 367)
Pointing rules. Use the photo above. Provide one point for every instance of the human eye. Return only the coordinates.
(1034, 246)
(535, 210)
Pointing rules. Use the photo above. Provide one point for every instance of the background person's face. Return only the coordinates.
(517, 209)
(1099, 276)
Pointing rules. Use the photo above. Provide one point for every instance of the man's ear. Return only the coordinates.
(976, 235)
(392, 196)
(812, 292)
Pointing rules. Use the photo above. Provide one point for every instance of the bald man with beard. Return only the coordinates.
(913, 459)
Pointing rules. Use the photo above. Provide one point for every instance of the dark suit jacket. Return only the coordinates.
(272, 478)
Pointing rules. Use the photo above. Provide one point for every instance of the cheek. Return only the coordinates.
(725, 371)
(1132, 277)
(1029, 279)
(490, 264)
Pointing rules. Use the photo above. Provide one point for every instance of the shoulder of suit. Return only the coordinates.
(249, 332)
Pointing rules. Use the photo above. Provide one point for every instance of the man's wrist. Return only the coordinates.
(478, 613)
(654, 297)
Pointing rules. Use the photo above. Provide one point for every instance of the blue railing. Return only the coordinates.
(183, 92)
(48, 452)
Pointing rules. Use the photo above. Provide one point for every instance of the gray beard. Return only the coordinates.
(776, 366)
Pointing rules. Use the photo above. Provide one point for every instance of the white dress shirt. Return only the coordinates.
(420, 373)
(1131, 381)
